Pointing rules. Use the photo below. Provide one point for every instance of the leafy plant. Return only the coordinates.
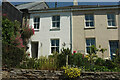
(71, 72)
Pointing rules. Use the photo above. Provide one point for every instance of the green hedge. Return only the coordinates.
(11, 55)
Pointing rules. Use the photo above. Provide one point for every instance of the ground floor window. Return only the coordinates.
(54, 45)
(89, 42)
(113, 47)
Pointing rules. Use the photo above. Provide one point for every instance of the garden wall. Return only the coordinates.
(29, 74)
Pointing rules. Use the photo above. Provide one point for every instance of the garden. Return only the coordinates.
(14, 46)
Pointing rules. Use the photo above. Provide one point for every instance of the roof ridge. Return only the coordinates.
(35, 5)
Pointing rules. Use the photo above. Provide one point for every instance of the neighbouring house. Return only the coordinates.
(25, 7)
(96, 25)
(11, 12)
(76, 27)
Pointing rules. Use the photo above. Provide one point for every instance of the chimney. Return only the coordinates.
(75, 2)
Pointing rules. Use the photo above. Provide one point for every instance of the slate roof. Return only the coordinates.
(79, 7)
(33, 6)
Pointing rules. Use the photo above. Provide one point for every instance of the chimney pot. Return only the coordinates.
(75, 2)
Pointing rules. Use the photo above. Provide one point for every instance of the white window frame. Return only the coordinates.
(55, 45)
(90, 44)
(89, 21)
(38, 23)
(55, 22)
(111, 19)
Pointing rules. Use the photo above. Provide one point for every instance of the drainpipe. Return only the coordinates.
(71, 31)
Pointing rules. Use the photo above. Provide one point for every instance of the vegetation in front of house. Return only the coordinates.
(71, 72)
(14, 45)
(83, 62)
(13, 42)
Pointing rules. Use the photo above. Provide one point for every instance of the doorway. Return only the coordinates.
(34, 49)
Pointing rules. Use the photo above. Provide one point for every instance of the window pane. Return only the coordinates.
(57, 42)
(58, 24)
(52, 42)
(91, 24)
(53, 24)
(38, 26)
(113, 23)
(108, 16)
(113, 16)
(91, 17)
(87, 23)
(88, 42)
(53, 18)
(53, 49)
(109, 23)
(58, 18)
(35, 20)
(34, 26)
(92, 41)
(57, 49)
(86, 17)
(88, 50)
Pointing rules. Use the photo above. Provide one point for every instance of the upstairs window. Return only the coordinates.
(111, 19)
(89, 20)
(55, 22)
(36, 23)
(54, 45)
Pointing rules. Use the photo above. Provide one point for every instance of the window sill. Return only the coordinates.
(55, 29)
(112, 27)
(89, 28)
(36, 30)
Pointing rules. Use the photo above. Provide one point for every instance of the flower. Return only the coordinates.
(4, 14)
(74, 51)
(29, 54)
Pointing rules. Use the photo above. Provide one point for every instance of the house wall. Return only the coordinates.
(45, 34)
(101, 32)
(11, 12)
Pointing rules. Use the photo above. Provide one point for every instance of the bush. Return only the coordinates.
(42, 63)
(11, 55)
(100, 62)
(71, 72)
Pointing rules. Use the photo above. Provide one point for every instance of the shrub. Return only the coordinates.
(100, 62)
(11, 55)
(42, 63)
(71, 72)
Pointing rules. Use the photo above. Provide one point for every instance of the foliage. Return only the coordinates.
(7, 30)
(77, 59)
(71, 72)
(12, 56)
(66, 52)
(42, 63)
(27, 31)
(13, 47)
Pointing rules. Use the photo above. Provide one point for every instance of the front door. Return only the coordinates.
(34, 49)
(113, 47)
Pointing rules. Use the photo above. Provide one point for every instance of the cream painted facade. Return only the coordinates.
(101, 32)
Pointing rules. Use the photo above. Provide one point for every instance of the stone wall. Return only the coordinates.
(29, 74)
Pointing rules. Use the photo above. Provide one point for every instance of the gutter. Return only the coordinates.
(79, 9)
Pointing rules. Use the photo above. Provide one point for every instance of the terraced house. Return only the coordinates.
(76, 27)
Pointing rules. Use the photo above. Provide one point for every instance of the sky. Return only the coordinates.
(65, 0)
(62, 4)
